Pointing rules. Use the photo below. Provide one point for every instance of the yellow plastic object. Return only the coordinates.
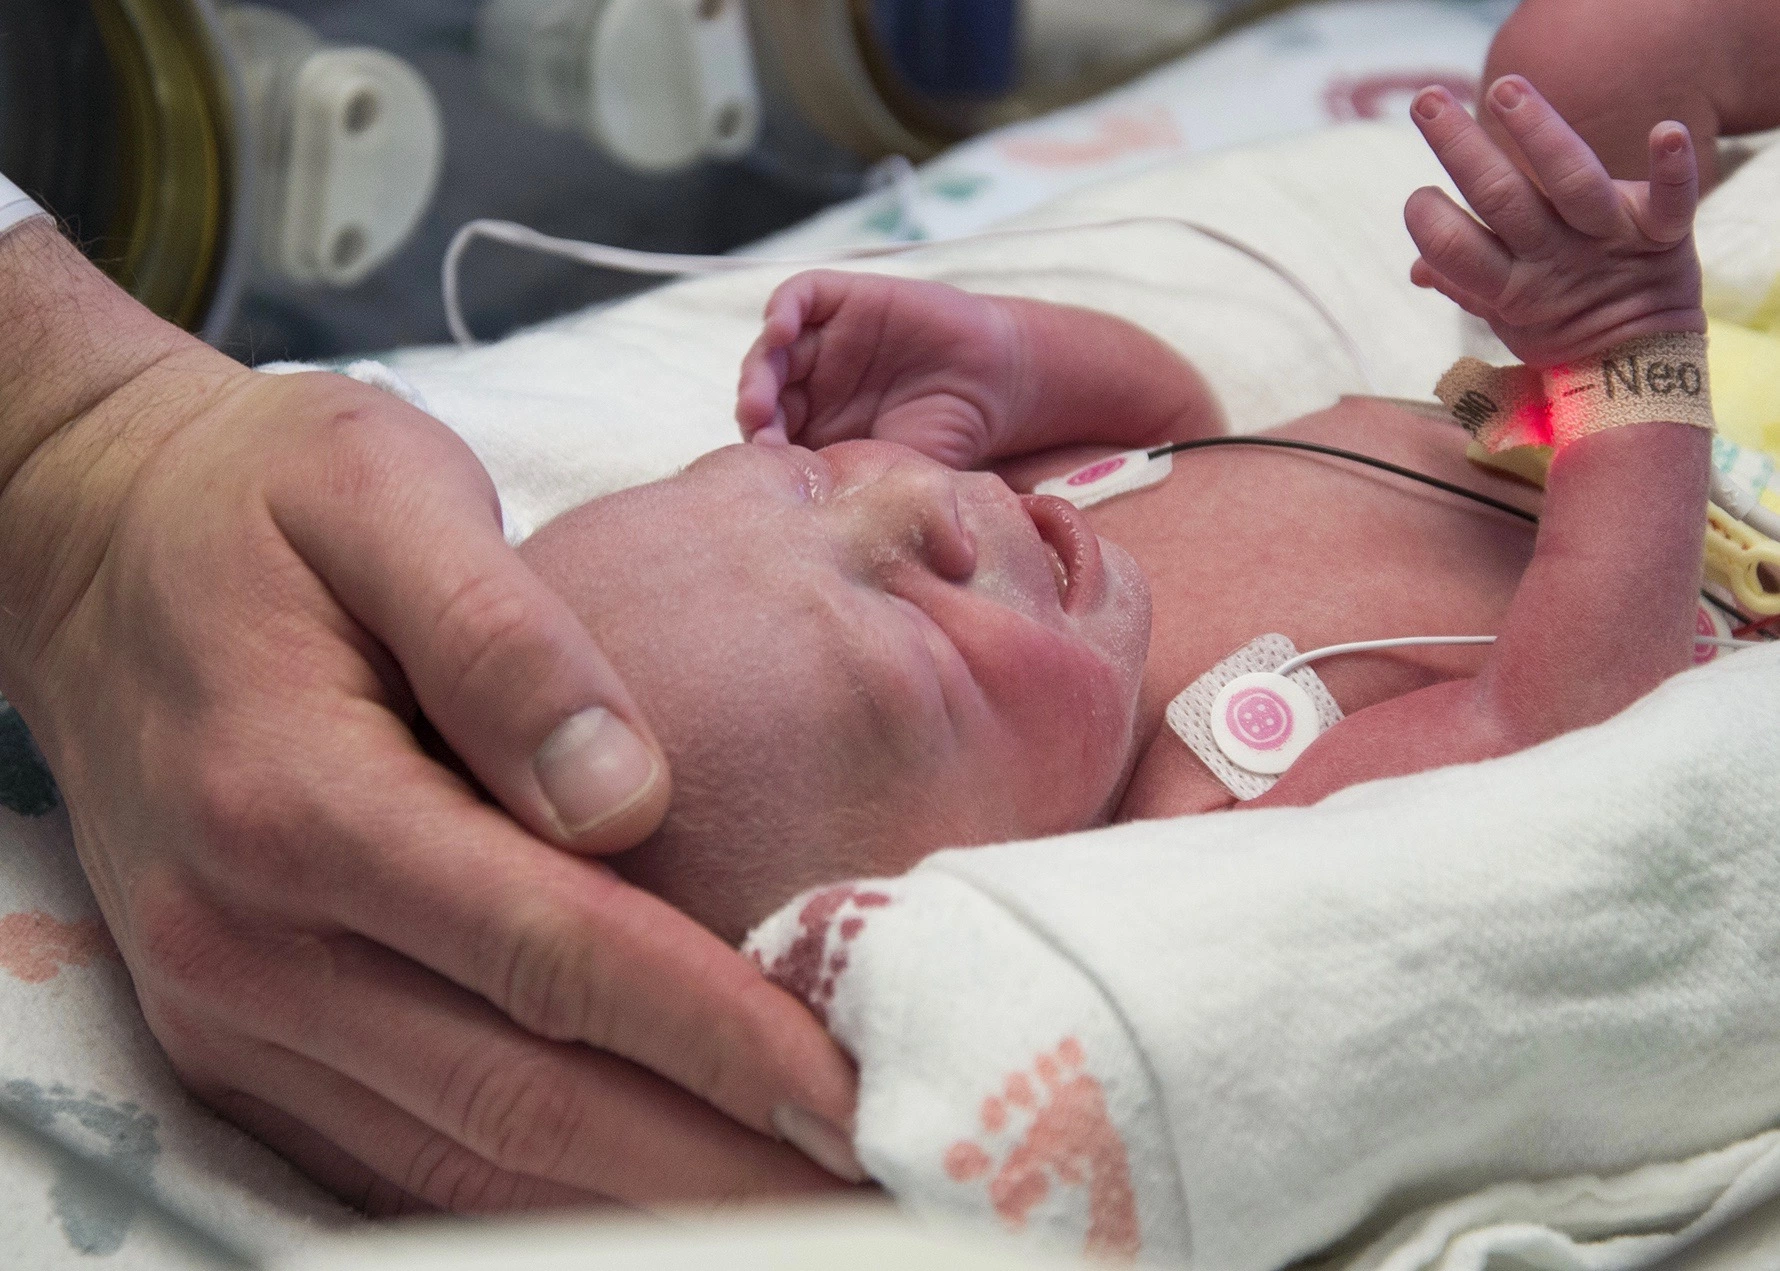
(1745, 365)
(1734, 557)
(1734, 552)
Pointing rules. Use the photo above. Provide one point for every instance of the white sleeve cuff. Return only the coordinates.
(15, 206)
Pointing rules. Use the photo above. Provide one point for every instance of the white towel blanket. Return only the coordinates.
(1424, 1018)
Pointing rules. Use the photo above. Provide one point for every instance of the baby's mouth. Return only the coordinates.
(1071, 548)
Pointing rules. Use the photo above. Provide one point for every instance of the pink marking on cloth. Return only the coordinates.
(1259, 718)
(966, 1161)
(1071, 1140)
(35, 947)
(1117, 133)
(807, 969)
(1388, 95)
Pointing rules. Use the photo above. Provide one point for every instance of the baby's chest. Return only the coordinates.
(1252, 542)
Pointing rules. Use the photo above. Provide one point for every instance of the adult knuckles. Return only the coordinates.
(257, 831)
(487, 647)
(522, 1115)
(180, 951)
(549, 985)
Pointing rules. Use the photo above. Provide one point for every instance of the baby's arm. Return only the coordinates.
(1616, 68)
(966, 379)
(1606, 609)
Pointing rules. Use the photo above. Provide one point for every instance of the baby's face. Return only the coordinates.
(854, 657)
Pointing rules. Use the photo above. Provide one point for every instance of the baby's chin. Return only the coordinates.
(1119, 628)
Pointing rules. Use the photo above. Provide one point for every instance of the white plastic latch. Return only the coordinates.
(656, 84)
(350, 145)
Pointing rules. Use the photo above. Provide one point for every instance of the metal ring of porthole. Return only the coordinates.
(181, 224)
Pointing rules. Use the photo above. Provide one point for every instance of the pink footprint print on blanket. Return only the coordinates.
(35, 947)
(1069, 1139)
(810, 969)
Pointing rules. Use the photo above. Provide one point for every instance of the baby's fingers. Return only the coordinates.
(1667, 215)
(1454, 246)
(1571, 175)
(1496, 190)
(757, 399)
(1425, 275)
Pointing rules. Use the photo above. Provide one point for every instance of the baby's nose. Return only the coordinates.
(920, 500)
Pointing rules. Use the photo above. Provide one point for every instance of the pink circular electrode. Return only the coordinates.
(1259, 718)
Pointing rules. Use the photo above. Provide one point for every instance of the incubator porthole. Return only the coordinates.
(361, 112)
(349, 246)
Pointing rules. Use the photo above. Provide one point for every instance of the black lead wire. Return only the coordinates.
(1334, 452)
(1383, 465)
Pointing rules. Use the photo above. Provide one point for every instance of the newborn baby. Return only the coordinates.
(860, 641)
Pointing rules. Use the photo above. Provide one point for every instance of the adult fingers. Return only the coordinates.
(530, 1109)
(1496, 190)
(1455, 246)
(338, 1172)
(1674, 191)
(566, 950)
(1572, 177)
(405, 532)
(394, 1164)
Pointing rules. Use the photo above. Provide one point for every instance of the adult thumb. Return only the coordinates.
(499, 663)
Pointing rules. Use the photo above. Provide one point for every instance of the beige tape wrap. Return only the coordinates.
(1651, 379)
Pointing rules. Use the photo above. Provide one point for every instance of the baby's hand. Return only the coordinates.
(1574, 264)
(845, 356)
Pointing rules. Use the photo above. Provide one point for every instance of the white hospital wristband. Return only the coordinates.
(15, 206)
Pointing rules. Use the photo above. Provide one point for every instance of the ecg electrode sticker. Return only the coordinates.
(1108, 478)
(1266, 724)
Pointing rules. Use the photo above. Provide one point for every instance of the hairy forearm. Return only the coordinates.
(1086, 378)
(69, 337)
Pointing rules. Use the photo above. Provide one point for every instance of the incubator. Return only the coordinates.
(206, 148)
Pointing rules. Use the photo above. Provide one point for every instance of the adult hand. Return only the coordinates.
(224, 602)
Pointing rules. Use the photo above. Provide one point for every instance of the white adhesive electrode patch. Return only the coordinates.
(1108, 478)
(15, 206)
(1230, 729)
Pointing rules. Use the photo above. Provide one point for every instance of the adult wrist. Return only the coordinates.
(77, 356)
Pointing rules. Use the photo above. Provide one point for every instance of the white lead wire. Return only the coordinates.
(1411, 642)
(667, 265)
(1369, 646)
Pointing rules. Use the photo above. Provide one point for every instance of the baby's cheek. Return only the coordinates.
(1065, 718)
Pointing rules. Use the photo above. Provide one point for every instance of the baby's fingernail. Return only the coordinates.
(818, 1140)
(1508, 94)
(1427, 105)
(592, 768)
